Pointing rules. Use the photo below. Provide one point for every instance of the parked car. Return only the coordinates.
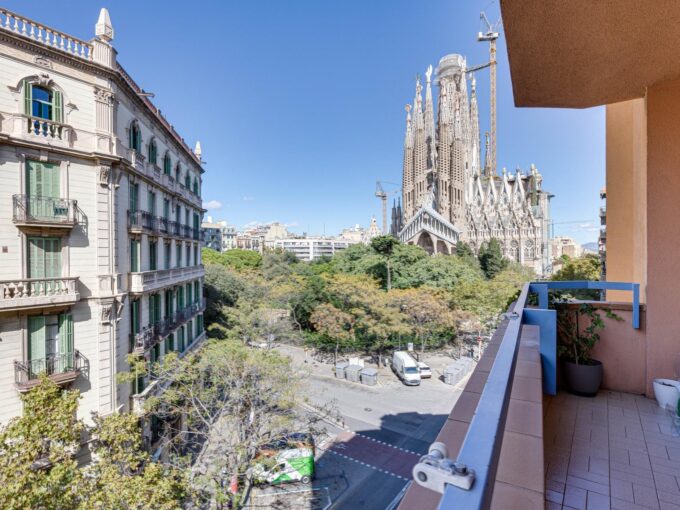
(425, 370)
(406, 368)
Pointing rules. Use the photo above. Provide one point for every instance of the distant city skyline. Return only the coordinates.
(299, 105)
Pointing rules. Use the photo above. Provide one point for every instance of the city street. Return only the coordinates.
(365, 461)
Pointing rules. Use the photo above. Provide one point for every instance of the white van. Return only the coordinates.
(406, 368)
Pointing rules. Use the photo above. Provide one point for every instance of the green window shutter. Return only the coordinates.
(52, 258)
(36, 257)
(134, 188)
(57, 107)
(134, 256)
(36, 337)
(138, 145)
(189, 295)
(65, 333)
(181, 297)
(28, 97)
(180, 334)
(135, 316)
(157, 305)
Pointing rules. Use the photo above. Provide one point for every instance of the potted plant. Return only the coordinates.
(582, 373)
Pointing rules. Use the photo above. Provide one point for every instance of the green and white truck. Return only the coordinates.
(289, 459)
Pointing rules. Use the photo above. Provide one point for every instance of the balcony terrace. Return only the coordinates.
(148, 281)
(152, 389)
(38, 293)
(151, 335)
(63, 369)
(44, 212)
(530, 446)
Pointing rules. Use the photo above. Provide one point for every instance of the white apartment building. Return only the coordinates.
(311, 248)
(100, 213)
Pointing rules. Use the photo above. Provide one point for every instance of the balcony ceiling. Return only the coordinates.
(582, 53)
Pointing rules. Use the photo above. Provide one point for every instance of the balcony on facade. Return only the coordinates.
(22, 294)
(48, 212)
(155, 333)
(139, 399)
(143, 222)
(149, 281)
(62, 369)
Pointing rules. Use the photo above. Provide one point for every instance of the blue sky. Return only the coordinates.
(299, 105)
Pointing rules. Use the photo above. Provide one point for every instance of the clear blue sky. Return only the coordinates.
(299, 105)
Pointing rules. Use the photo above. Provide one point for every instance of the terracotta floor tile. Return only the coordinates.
(645, 496)
(621, 489)
(619, 504)
(597, 501)
(588, 485)
(575, 497)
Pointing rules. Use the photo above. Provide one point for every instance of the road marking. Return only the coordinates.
(368, 465)
(386, 444)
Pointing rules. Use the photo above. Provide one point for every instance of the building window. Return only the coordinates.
(170, 343)
(168, 303)
(154, 309)
(134, 197)
(152, 152)
(195, 189)
(167, 255)
(50, 344)
(167, 164)
(42, 102)
(188, 259)
(180, 338)
(196, 254)
(151, 203)
(135, 141)
(178, 262)
(44, 261)
(177, 171)
(180, 297)
(153, 255)
(134, 255)
(43, 190)
(187, 181)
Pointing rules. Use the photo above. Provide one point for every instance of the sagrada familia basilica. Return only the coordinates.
(448, 194)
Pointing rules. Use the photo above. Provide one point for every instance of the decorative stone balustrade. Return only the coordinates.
(44, 211)
(38, 292)
(147, 281)
(137, 160)
(42, 34)
(46, 128)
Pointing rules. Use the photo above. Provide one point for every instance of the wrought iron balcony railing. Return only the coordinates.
(142, 220)
(154, 333)
(59, 212)
(62, 368)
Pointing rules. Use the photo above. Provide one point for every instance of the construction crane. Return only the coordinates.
(490, 35)
(383, 195)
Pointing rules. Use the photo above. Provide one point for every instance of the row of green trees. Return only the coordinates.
(366, 298)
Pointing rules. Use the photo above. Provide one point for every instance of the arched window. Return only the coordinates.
(167, 164)
(529, 251)
(43, 102)
(178, 170)
(153, 156)
(195, 189)
(135, 141)
(187, 181)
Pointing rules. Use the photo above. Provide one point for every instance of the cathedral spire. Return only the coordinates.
(429, 106)
(475, 145)
(487, 160)
(408, 140)
(418, 104)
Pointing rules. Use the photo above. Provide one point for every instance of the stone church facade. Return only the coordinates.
(448, 194)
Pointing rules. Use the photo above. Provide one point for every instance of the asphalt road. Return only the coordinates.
(386, 430)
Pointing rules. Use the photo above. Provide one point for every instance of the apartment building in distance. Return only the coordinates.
(100, 212)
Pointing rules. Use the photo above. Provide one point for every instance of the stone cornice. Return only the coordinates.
(118, 75)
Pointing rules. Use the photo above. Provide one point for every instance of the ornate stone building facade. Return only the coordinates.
(449, 195)
(100, 209)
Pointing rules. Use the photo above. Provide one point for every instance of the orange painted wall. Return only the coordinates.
(663, 229)
(626, 196)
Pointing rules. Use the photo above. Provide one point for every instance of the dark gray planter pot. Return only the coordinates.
(582, 379)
